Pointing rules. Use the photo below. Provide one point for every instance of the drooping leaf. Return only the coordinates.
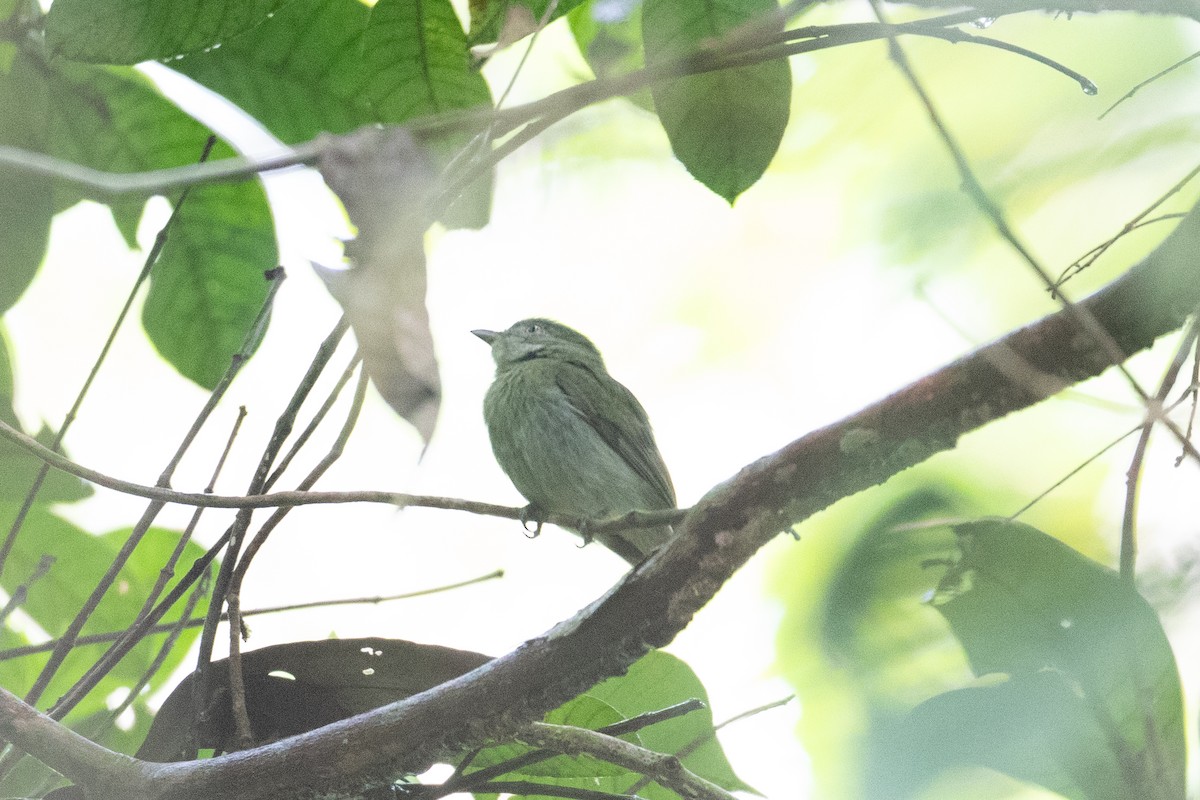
(129, 31)
(724, 126)
(292, 688)
(384, 178)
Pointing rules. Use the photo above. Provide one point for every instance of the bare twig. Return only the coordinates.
(1133, 475)
(665, 770)
(196, 622)
(284, 424)
(1138, 87)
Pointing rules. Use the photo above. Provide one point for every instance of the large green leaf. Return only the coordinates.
(859, 639)
(1023, 604)
(299, 73)
(129, 31)
(335, 65)
(724, 126)
(205, 291)
(1034, 727)
(416, 54)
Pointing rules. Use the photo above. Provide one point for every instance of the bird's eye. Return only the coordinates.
(534, 328)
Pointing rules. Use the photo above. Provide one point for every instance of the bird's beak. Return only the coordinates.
(486, 335)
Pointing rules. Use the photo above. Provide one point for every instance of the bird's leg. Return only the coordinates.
(531, 513)
(585, 532)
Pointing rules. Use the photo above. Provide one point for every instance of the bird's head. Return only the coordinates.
(540, 338)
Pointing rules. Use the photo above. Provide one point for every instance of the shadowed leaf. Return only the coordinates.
(293, 688)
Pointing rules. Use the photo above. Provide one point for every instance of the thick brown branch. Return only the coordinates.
(995, 8)
(721, 533)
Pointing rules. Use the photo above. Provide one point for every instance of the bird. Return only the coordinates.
(572, 439)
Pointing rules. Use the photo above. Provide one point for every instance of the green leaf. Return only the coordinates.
(335, 65)
(299, 73)
(129, 31)
(654, 682)
(511, 20)
(582, 712)
(26, 201)
(1023, 603)
(609, 36)
(1033, 727)
(77, 561)
(416, 55)
(208, 285)
(724, 126)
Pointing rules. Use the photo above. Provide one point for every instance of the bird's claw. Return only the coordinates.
(531, 513)
(585, 533)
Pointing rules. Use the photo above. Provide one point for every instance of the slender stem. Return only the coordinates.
(196, 622)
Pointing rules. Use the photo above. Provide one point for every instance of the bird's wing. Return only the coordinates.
(615, 414)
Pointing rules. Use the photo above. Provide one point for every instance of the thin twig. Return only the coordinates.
(1089, 258)
(1133, 475)
(663, 769)
(1149, 81)
(196, 622)
(134, 633)
(19, 595)
(313, 424)
(473, 782)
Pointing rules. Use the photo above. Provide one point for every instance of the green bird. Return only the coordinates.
(572, 439)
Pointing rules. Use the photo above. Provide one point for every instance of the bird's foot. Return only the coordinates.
(531, 513)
